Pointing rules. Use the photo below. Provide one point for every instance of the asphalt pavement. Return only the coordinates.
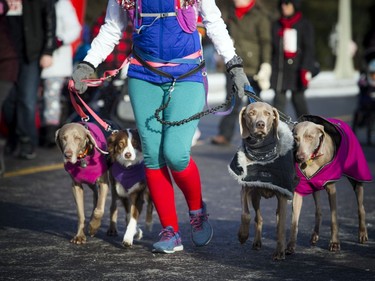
(38, 218)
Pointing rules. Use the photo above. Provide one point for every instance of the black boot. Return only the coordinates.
(27, 149)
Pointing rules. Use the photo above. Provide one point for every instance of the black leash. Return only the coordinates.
(253, 98)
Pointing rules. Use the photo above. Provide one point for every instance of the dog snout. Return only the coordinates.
(128, 155)
(301, 157)
(68, 154)
(260, 125)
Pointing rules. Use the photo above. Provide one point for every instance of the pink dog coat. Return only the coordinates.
(349, 160)
(96, 163)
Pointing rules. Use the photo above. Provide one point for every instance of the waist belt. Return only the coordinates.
(151, 66)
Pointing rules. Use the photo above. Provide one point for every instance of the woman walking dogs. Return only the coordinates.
(166, 72)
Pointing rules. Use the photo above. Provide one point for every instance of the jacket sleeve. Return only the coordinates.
(265, 39)
(217, 29)
(109, 35)
(50, 28)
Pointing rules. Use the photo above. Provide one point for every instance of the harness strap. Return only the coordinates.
(166, 74)
(158, 15)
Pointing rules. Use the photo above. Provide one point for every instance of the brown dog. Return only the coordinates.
(128, 183)
(83, 147)
(326, 149)
(264, 167)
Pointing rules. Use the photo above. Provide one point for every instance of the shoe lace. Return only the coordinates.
(196, 221)
(166, 234)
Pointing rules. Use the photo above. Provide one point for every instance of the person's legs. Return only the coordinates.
(52, 88)
(5, 88)
(27, 96)
(279, 100)
(145, 98)
(177, 145)
(300, 103)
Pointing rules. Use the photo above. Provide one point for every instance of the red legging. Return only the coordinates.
(162, 193)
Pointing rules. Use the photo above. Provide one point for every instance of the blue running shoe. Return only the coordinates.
(201, 229)
(169, 242)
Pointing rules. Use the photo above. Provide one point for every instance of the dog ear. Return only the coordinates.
(244, 130)
(110, 143)
(57, 139)
(321, 129)
(276, 119)
(93, 141)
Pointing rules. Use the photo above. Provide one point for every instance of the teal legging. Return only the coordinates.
(162, 144)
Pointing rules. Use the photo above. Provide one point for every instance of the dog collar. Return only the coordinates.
(265, 150)
(316, 153)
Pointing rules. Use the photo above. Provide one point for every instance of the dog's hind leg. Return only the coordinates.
(113, 211)
(80, 237)
(362, 229)
(149, 210)
(296, 211)
(318, 219)
(255, 199)
(243, 232)
(279, 253)
(334, 244)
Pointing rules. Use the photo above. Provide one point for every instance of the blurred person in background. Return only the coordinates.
(32, 25)
(249, 26)
(54, 77)
(293, 56)
(8, 71)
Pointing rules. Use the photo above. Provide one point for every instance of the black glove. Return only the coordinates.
(83, 71)
(239, 78)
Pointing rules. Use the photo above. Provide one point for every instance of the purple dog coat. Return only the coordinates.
(349, 160)
(128, 176)
(96, 163)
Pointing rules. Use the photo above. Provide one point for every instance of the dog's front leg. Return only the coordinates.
(255, 199)
(243, 232)
(362, 229)
(132, 219)
(80, 237)
(296, 211)
(318, 219)
(279, 254)
(113, 211)
(334, 244)
(98, 212)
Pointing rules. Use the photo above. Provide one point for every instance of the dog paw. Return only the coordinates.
(314, 238)
(257, 245)
(139, 234)
(112, 232)
(127, 243)
(290, 250)
(278, 255)
(94, 226)
(78, 239)
(334, 246)
(362, 237)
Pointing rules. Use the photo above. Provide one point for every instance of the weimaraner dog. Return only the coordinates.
(326, 149)
(84, 147)
(264, 167)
